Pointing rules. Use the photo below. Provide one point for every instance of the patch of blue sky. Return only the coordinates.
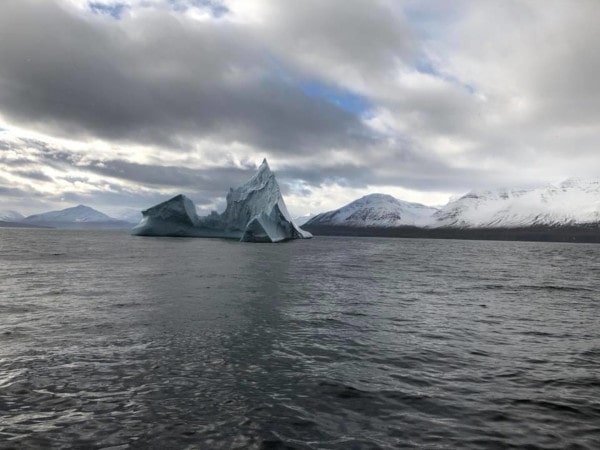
(426, 66)
(216, 8)
(338, 96)
(115, 10)
(342, 98)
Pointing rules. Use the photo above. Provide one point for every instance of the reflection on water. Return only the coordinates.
(109, 340)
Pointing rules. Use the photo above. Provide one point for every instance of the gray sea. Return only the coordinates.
(113, 341)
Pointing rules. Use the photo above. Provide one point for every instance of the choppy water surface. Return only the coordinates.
(107, 340)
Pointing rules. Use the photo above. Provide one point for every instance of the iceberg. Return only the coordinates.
(255, 212)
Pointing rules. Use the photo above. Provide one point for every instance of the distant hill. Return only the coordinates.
(77, 217)
(14, 219)
(7, 224)
(543, 233)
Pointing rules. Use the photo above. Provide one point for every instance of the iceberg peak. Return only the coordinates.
(264, 165)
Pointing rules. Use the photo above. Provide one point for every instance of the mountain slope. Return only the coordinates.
(129, 215)
(301, 220)
(572, 202)
(376, 210)
(10, 216)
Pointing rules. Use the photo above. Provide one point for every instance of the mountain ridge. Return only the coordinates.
(572, 202)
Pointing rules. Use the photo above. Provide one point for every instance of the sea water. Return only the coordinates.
(109, 340)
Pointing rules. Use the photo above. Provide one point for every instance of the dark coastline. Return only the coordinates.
(116, 225)
(4, 224)
(582, 233)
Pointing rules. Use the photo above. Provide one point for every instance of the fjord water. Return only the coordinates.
(108, 340)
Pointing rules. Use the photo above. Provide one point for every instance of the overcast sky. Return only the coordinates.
(123, 104)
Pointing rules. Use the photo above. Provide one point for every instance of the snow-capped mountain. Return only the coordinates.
(376, 210)
(10, 216)
(572, 202)
(80, 216)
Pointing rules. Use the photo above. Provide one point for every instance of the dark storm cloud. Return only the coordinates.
(32, 154)
(11, 191)
(18, 163)
(33, 175)
(155, 78)
(217, 180)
